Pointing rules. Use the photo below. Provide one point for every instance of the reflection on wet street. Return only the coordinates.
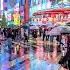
(36, 55)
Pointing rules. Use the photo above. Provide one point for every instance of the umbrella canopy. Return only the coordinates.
(50, 24)
(33, 23)
(37, 23)
(55, 31)
(34, 27)
(25, 26)
(65, 30)
(60, 30)
(11, 26)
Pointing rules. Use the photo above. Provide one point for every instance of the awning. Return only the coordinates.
(51, 11)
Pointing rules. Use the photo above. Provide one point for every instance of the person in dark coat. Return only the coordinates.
(9, 31)
(4, 31)
(40, 31)
(25, 37)
(13, 34)
(34, 33)
(66, 58)
(44, 34)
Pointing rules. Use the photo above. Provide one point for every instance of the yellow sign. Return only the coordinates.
(16, 17)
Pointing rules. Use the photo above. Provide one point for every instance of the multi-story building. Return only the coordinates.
(11, 7)
(20, 6)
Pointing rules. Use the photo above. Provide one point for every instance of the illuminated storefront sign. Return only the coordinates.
(16, 18)
(16, 8)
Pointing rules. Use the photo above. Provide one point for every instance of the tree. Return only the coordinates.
(3, 22)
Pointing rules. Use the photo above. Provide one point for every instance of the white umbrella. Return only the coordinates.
(34, 27)
(55, 31)
(49, 24)
(59, 29)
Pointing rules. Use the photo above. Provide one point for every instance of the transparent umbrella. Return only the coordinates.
(60, 29)
(34, 27)
(56, 31)
(49, 24)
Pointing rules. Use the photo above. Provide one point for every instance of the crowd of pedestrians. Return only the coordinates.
(43, 33)
(10, 33)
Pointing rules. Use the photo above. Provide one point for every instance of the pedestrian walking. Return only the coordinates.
(9, 33)
(44, 34)
(22, 33)
(25, 36)
(5, 32)
(47, 34)
(34, 33)
(40, 31)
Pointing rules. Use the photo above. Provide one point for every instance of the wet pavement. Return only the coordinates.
(34, 55)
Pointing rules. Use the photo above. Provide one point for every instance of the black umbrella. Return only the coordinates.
(65, 31)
